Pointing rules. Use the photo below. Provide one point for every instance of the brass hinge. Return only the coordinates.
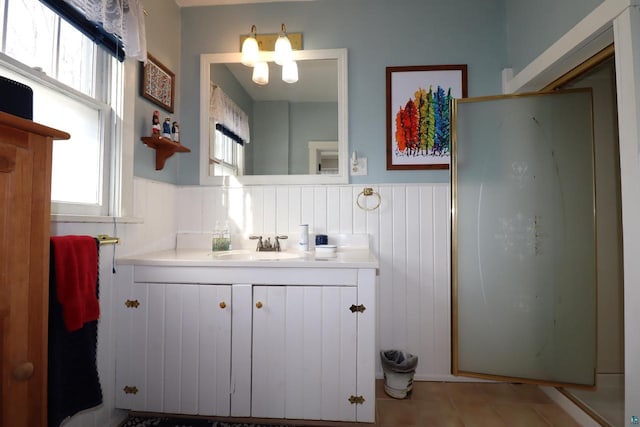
(356, 400)
(130, 390)
(132, 304)
(357, 308)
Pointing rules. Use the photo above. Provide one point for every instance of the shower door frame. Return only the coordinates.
(454, 253)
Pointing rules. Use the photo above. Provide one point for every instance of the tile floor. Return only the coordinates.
(441, 404)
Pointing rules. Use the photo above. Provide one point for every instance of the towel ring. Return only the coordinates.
(366, 192)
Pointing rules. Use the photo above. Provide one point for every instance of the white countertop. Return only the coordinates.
(348, 258)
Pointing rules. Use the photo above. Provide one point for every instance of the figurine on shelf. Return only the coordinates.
(166, 128)
(175, 132)
(155, 123)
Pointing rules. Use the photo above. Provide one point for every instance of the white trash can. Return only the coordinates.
(399, 368)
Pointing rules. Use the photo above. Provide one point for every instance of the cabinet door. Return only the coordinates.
(174, 349)
(214, 376)
(304, 352)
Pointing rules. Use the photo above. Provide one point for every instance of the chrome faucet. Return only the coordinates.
(260, 246)
(267, 246)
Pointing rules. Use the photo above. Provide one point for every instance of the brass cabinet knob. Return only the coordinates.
(130, 389)
(132, 304)
(258, 304)
(23, 371)
(223, 304)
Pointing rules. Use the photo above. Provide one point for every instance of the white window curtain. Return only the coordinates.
(124, 18)
(226, 112)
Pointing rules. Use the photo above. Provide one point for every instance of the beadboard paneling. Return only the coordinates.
(409, 233)
(155, 204)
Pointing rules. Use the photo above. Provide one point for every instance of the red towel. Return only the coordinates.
(76, 268)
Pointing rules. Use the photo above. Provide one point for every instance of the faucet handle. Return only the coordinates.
(277, 244)
(259, 239)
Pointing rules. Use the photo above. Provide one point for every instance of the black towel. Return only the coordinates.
(73, 384)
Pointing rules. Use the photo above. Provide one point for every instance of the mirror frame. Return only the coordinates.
(342, 177)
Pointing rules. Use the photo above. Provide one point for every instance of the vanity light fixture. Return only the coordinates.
(250, 49)
(290, 72)
(260, 73)
(283, 55)
(283, 51)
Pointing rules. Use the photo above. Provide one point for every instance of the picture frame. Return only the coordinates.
(157, 83)
(418, 114)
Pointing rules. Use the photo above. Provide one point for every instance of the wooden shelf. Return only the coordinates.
(164, 147)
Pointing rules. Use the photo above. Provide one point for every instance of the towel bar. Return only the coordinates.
(105, 239)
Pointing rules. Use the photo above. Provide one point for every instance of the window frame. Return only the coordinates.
(113, 83)
(106, 139)
(236, 167)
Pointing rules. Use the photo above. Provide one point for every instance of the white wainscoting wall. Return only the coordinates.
(409, 233)
(155, 229)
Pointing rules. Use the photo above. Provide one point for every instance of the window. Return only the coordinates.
(75, 88)
(228, 132)
(225, 154)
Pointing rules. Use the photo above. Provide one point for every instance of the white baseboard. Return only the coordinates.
(571, 408)
(441, 378)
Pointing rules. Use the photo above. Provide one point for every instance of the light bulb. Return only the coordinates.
(250, 49)
(283, 50)
(290, 72)
(261, 73)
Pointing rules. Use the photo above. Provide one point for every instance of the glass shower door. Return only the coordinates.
(523, 261)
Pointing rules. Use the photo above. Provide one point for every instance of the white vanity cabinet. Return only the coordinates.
(173, 347)
(264, 340)
(304, 352)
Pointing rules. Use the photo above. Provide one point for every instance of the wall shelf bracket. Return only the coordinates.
(164, 147)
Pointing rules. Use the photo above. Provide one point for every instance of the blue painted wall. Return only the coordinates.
(533, 26)
(271, 123)
(488, 36)
(163, 32)
(377, 34)
(310, 121)
(280, 134)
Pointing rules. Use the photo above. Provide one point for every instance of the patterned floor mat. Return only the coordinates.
(140, 421)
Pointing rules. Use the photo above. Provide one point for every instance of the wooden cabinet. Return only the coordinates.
(301, 346)
(25, 201)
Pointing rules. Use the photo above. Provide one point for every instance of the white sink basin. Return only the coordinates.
(245, 255)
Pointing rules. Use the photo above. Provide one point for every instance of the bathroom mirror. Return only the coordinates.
(320, 93)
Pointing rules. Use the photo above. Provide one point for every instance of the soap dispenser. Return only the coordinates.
(221, 240)
(215, 238)
(226, 235)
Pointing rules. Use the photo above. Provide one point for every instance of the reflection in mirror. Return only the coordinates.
(279, 132)
(323, 157)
